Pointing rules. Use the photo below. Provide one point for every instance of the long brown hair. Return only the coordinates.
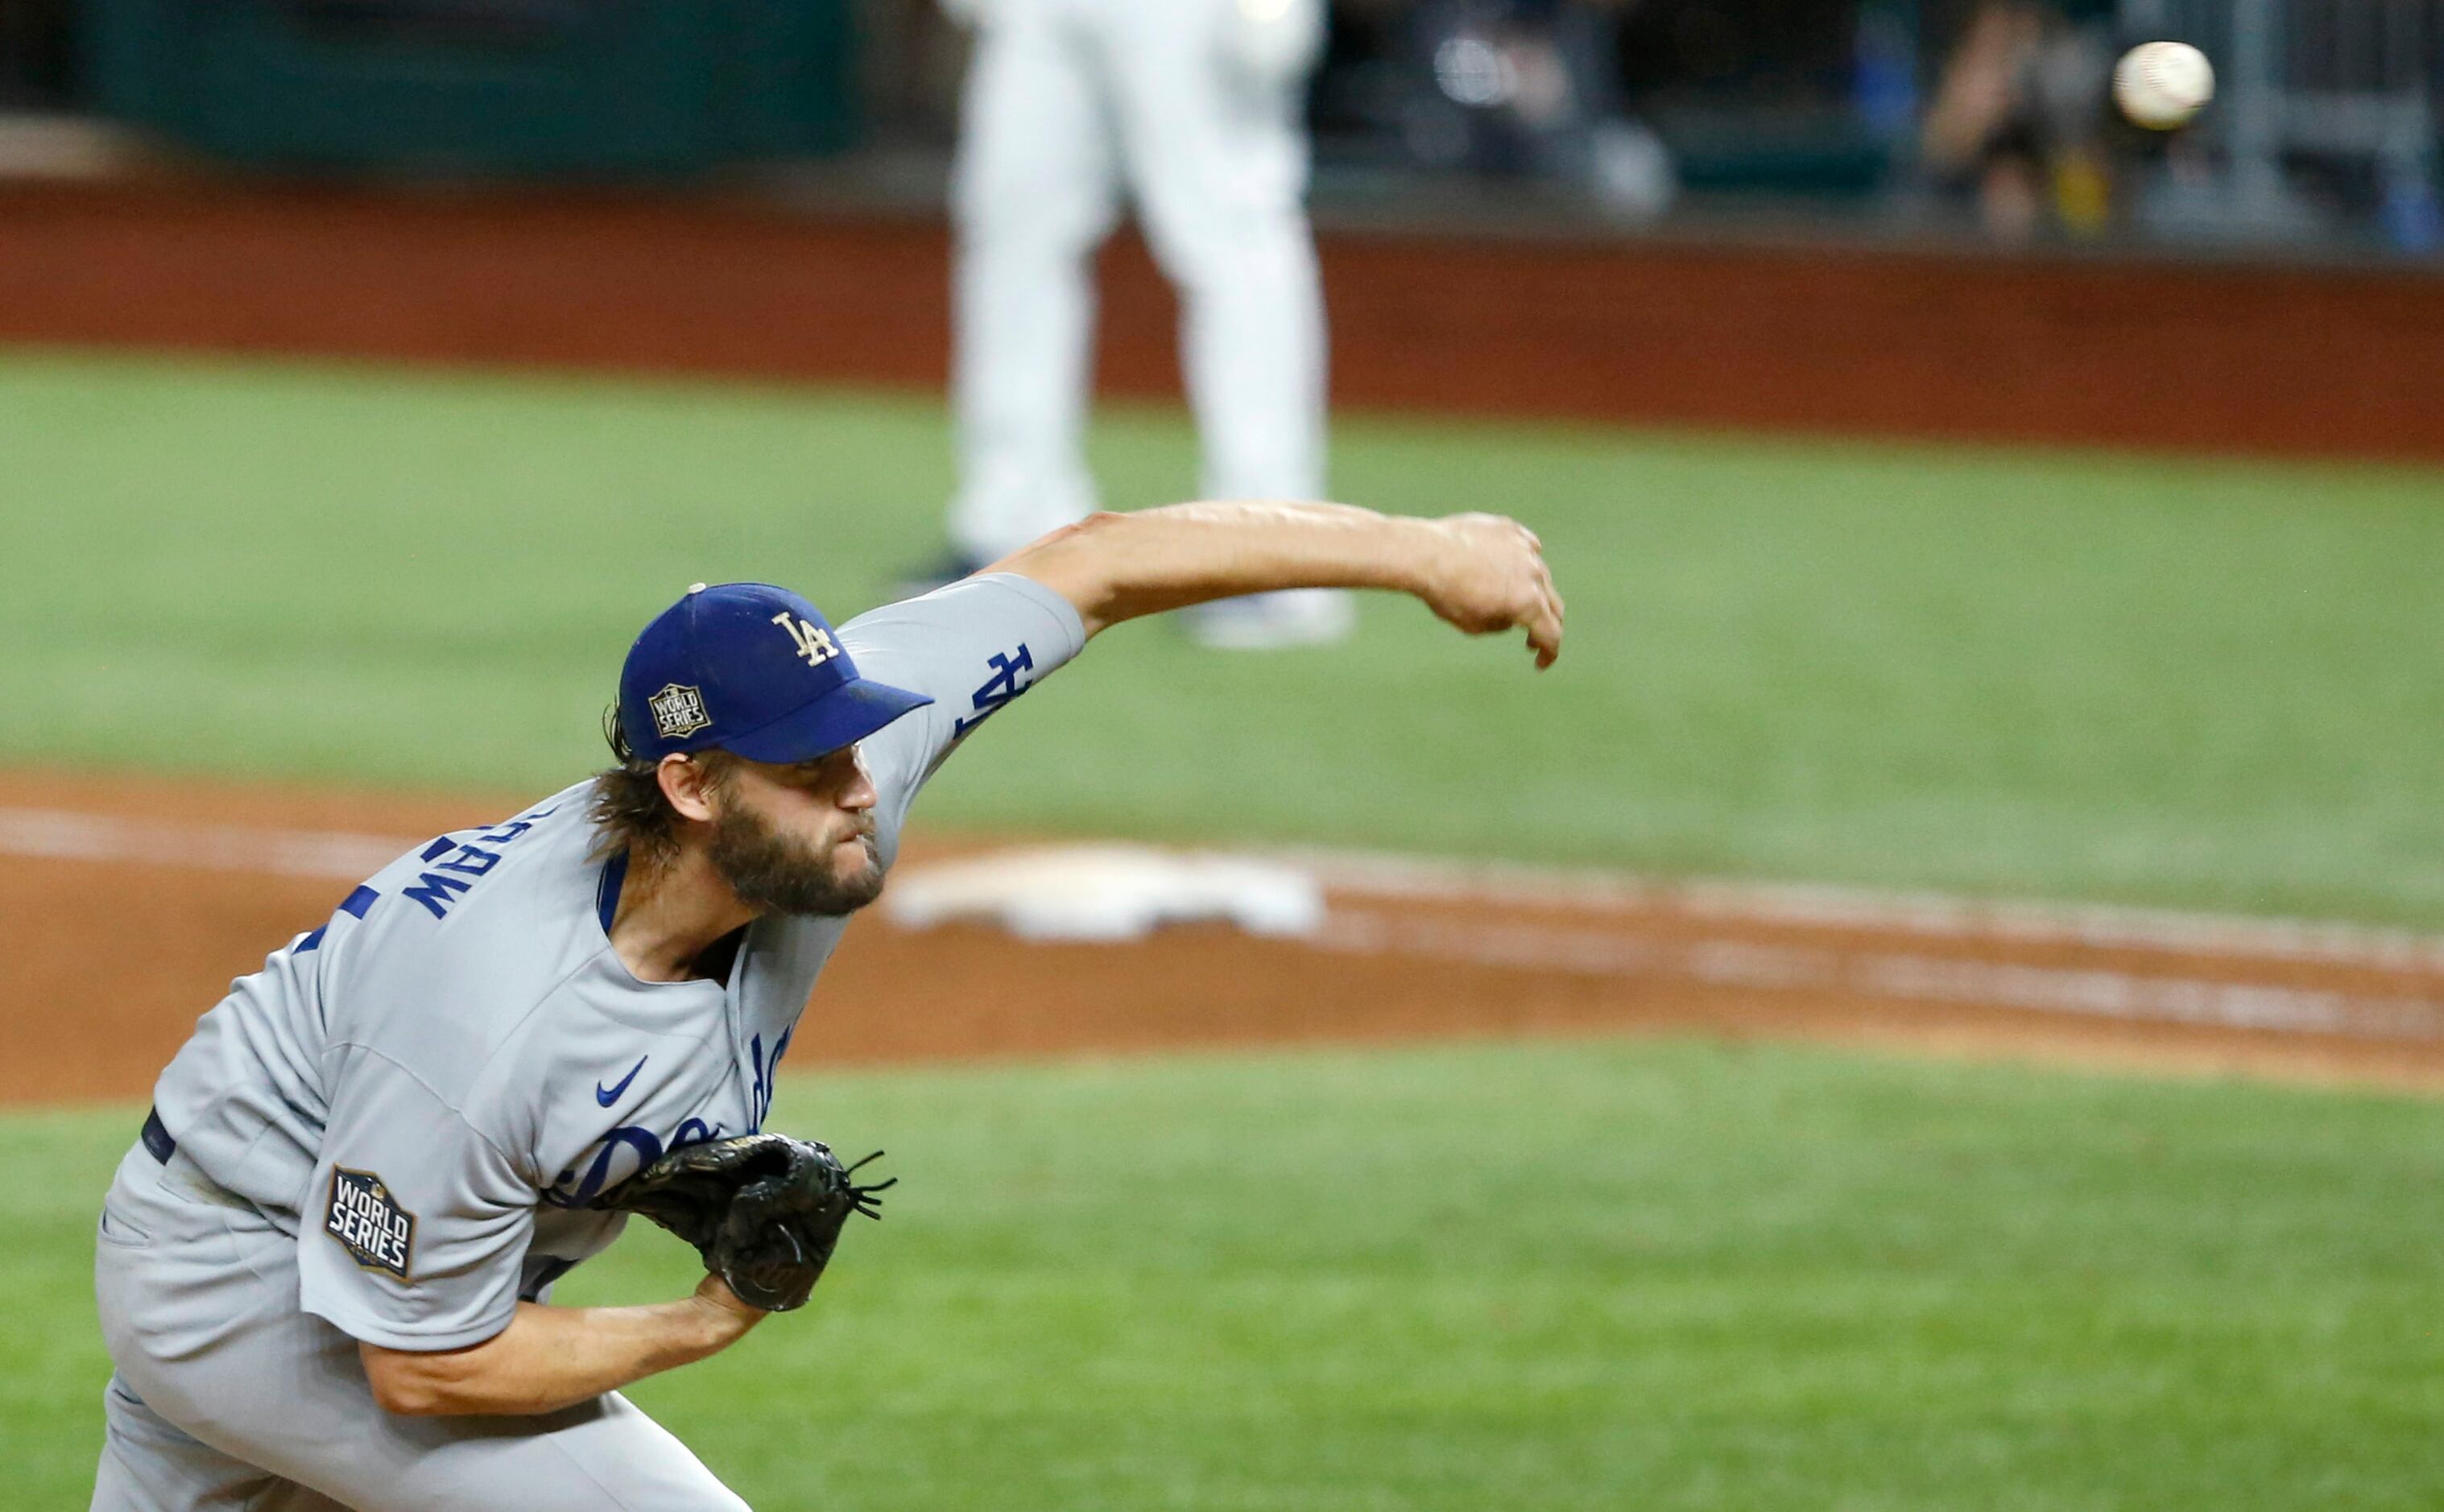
(630, 811)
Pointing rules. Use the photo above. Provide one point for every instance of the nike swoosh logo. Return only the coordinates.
(607, 1097)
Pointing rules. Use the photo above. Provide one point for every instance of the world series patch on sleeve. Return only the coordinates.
(379, 1233)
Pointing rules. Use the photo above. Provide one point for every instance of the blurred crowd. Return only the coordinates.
(1991, 115)
(2020, 126)
(1985, 114)
(1520, 89)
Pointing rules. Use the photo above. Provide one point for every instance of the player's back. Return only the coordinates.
(432, 963)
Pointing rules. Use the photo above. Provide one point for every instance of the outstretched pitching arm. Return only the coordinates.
(1481, 572)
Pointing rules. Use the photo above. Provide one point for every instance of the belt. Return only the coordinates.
(157, 1142)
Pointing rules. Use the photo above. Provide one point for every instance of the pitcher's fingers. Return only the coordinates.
(1544, 634)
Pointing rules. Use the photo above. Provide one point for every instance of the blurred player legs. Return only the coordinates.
(1193, 106)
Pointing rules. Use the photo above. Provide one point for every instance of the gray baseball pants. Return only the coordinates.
(227, 1397)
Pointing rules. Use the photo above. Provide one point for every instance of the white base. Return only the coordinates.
(1106, 892)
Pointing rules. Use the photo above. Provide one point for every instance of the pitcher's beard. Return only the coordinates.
(780, 873)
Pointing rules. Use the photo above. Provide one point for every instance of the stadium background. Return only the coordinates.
(1992, 775)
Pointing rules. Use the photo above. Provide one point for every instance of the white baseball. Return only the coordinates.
(2161, 84)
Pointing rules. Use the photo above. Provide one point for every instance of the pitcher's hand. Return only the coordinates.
(1491, 576)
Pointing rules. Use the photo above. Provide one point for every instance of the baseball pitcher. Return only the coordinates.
(324, 1269)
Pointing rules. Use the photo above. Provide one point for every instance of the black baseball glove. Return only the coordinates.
(763, 1210)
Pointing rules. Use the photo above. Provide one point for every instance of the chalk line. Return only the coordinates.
(2088, 992)
(60, 835)
(1350, 876)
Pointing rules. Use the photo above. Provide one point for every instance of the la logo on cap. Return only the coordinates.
(785, 682)
(678, 711)
(812, 640)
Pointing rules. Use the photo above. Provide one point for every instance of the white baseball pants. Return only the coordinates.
(1194, 105)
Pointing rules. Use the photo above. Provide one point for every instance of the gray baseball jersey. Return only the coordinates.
(422, 1093)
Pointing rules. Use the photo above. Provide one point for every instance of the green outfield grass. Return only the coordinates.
(2189, 681)
(1600, 1275)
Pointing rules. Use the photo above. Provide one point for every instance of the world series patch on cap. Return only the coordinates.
(753, 669)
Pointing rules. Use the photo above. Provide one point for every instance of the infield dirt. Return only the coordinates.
(111, 959)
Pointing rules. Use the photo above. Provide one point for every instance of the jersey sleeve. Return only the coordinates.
(972, 647)
(413, 1229)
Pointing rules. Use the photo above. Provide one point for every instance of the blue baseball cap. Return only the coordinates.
(754, 670)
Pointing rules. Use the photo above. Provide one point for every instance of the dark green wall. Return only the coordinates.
(578, 88)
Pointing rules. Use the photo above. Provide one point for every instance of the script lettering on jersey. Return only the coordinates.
(642, 1145)
(573, 1190)
(377, 1232)
(457, 865)
(999, 689)
(761, 1093)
